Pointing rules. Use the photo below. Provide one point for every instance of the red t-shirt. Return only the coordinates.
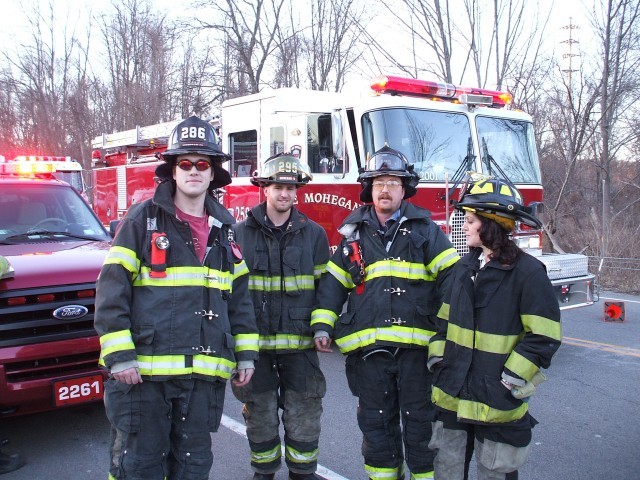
(199, 230)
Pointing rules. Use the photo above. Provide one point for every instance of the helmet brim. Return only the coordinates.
(512, 211)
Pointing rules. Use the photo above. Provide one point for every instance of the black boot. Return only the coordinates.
(263, 476)
(9, 463)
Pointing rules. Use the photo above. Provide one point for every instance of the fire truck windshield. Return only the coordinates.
(30, 213)
(436, 141)
(511, 144)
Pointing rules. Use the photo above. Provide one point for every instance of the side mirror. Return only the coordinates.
(113, 227)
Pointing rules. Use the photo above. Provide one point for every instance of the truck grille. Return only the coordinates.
(457, 236)
(44, 368)
(26, 316)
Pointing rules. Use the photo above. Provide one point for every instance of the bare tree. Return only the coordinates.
(250, 29)
(138, 43)
(332, 46)
(39, 85)
(619, 30)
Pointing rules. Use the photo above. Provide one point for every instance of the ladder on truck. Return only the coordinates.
(139, 136)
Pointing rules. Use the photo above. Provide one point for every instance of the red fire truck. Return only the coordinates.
(52, 246)
(445, 130)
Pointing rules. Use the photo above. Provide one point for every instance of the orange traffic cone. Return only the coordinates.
(613, 312)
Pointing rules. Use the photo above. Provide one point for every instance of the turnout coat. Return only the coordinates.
(405, 274)
(495, 320)
(283, 277)
(197, 321)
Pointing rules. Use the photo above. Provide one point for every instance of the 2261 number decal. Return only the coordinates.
(77, 390)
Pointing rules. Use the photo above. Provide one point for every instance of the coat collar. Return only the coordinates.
(256, 218)
(163, 198)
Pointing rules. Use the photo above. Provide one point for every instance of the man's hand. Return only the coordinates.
(323, 344)
(130, 376)
(242, 377)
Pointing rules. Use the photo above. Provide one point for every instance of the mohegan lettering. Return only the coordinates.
(328, 199)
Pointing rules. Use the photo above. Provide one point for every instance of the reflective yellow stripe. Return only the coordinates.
(186, 277)
(460, 336)
(297, 456)
(283, 341)
(240, 269)
(395, 334)
(485, 342)
(476, 411)
(274, 283)
(494, 343)
(422, 476)
(436, 348)
(318, 270)
(341, 275)
(163, 365)
(116, 342)
(542, 326)
(521, 366)
(266, 457)
(398, 269)
(213, 366)
(380, 473)
(444, 311)
(321, 315)
(123, 256)
(444, 260)
(167, 365)
(246, 342)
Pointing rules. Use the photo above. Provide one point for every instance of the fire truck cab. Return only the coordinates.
(52, 247)
(446, 131)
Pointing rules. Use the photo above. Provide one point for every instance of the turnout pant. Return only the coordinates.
(161, 430)
(499, 449)
(393, 386)
(294, 383)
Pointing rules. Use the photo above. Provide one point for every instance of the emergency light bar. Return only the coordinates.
(424, 88)
(41, 158)
(26, 168)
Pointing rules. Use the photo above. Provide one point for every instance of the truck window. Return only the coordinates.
(319, 144)
(30, 209)
(435, 142)
(73, 178)
(276, 140)
(511, 144)
(243, 148)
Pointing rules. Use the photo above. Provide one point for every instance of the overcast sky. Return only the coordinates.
(15, 28)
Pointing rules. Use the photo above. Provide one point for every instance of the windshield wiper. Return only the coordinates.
(48, 234)
(465, 166)
(488, 159)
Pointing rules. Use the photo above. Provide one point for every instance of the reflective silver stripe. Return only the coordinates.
(284, 341)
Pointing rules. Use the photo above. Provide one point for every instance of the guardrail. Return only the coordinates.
(616, 273)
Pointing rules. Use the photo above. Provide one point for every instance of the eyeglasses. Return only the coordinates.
(390, 184)
(187, 165)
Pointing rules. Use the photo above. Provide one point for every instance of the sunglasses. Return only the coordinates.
(187, 165)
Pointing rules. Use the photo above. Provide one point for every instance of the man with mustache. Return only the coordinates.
(392, 266)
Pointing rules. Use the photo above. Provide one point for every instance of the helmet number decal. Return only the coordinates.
(289, 167)
(193, 132)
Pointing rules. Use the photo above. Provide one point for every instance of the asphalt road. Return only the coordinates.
(589, 413)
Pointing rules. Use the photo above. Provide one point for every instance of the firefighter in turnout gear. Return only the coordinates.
(286, 254)
(498, 326)
(392, 266)
(174, 317)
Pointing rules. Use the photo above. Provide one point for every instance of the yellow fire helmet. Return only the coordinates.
(498, 200)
